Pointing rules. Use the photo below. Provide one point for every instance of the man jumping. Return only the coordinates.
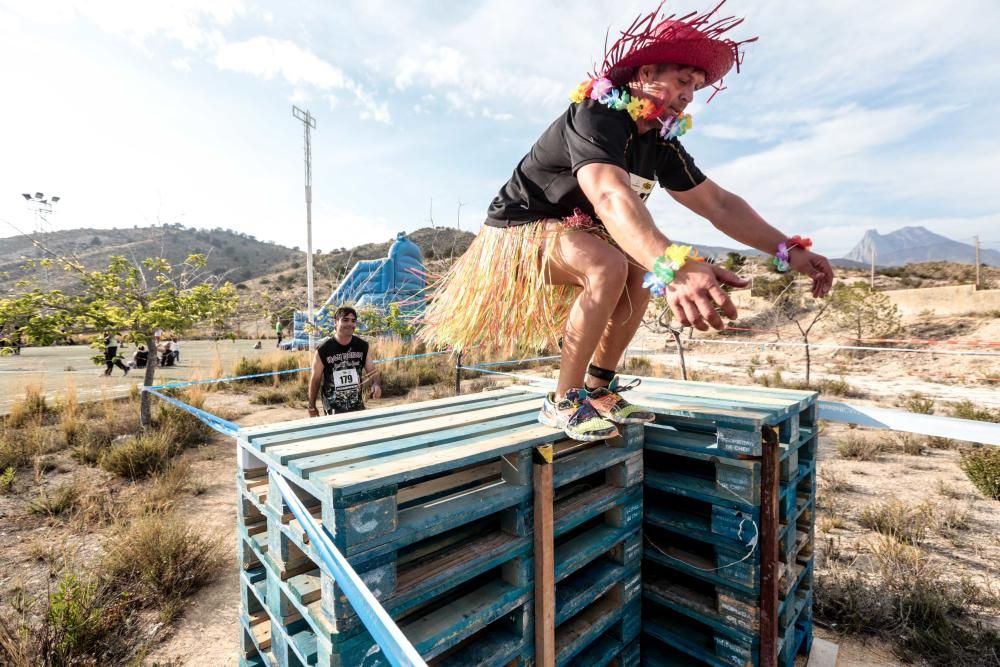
(569, 248)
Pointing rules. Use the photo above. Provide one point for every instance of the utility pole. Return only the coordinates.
(458, 219)
(977, 261)
(308, 123)
(872, 283)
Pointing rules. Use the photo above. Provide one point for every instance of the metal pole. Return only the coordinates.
(308, 122)
(872, 284)
(458, 374)
(977, 261)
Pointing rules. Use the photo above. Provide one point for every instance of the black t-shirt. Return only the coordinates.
(544, 183)
(343, 369)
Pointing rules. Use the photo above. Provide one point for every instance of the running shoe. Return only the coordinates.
(575, 417)
(609, 404)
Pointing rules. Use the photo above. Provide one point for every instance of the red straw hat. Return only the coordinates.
(695, 40)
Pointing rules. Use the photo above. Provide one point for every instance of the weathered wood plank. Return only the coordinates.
(370, 436)
(545, 595)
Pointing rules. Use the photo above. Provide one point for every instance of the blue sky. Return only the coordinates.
(848, 115)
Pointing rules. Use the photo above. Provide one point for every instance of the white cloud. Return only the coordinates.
(181, 64)
(267, 58)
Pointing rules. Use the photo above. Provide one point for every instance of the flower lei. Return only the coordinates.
(603, 91)
(781, 257)
(665, 267)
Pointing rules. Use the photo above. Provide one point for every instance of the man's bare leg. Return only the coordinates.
(585, 260)
(621, 327)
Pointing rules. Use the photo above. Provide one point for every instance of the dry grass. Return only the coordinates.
(908, 443)
(905, 598)
(860, 448)
(897, 520)
(948, 491)
(833, 481)
(161, 558)
(60, 500)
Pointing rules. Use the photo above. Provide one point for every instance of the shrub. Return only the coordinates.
(859, 448)
(270, 397)
(897, 520)
(982, 466)
(63, 499)
(247, 366)
(905, 600)
(31, 408)
(833, 481)
(142, 455)
(161, 558)
(638, 365)
(969, 410)
(908, 443)
(7, 479)
(919, 404)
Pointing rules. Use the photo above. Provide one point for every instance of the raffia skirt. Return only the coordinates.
(496, 299)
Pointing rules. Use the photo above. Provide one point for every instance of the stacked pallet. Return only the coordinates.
(431, 505)
(597, 530)
(707, 567)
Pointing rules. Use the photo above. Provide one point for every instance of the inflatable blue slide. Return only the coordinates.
(372, 283)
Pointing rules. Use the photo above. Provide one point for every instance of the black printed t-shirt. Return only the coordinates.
(544, 183)
(343, 369)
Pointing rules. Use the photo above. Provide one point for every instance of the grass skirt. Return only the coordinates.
(495, 297)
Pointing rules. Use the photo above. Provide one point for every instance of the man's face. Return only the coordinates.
(671, 86)
(346, 325)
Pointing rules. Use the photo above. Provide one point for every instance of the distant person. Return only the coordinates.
(157, 335)
(167, 358)
(257, 345)
(279, 331)
(337, 368)
(111, 358)
(175, 347)
(140, 357)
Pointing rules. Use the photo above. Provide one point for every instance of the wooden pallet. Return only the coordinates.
(718, 645)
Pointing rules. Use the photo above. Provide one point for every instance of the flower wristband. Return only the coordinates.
(781, 257)
(666, 267)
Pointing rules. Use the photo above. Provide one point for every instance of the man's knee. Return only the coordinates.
(609, 270)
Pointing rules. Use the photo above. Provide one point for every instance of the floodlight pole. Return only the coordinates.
(308, 123)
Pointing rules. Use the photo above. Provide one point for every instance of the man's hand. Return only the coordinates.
(376, 392)
(815, 266)
(313, 412)
(695, 292)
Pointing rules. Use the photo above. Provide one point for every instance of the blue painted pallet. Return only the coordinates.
(712, 645)
(704, 446)
(602, 595)
(736, 416)
(439, 631)
(736, 529)
(699, 486)
(727, 610)
(430, 580)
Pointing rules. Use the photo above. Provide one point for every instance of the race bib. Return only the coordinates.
(346, 378)
(641, 186)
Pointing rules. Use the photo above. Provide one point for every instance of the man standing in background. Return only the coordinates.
(337, 368)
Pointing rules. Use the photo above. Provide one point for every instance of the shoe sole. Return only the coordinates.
(632, 420)
(582, 437)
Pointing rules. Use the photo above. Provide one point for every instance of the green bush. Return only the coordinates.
(969, 410)
(247, 366)
(982, 466)
(62, 500)
(7, 479)
(142, 455)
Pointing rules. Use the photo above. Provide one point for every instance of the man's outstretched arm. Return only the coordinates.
(735, 218)
(696, 289)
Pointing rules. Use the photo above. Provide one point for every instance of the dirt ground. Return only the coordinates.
(207, 633)
(52, 369)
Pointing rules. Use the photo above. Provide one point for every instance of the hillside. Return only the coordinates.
(236, 256)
